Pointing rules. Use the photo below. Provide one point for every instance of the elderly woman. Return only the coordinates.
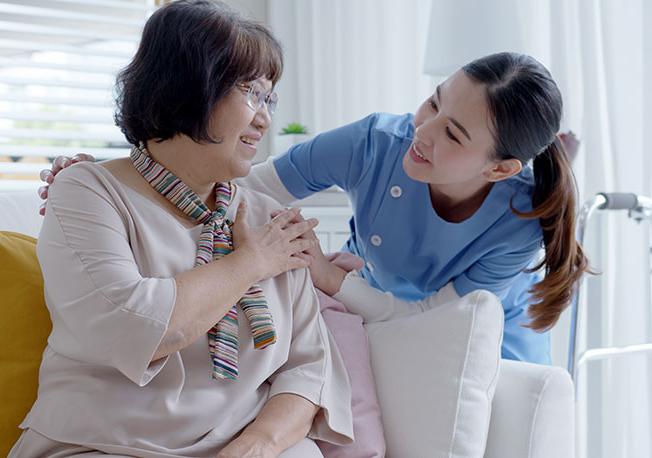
(184, 323)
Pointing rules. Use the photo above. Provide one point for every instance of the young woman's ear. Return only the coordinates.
(502, 170)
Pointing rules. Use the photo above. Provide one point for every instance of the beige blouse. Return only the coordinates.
(109, 255)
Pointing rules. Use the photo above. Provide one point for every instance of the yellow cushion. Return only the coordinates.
(24, 328)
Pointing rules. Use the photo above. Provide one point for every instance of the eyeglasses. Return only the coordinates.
(256, 97)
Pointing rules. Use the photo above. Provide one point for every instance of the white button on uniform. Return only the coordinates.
(396, 191)
(376, 240)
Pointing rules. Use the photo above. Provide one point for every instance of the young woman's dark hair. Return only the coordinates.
(526, 108)
(210, 48)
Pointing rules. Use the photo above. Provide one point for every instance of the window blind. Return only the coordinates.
(58, 62)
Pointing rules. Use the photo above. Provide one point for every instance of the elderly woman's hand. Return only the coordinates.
(325, 275)
(312, 254)
(275, 247)
(248, 445)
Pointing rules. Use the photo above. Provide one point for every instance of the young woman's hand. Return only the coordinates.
(248, 445)
(274, 247)
(60, 163)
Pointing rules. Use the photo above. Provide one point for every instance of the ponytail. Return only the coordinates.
(526, 108)
(554, 202)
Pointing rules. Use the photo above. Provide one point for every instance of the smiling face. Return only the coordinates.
(452, 140)
(239, 129)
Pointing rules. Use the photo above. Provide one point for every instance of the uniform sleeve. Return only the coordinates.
(339, 157)
(104, 312)
(496, 272)
(315, 369)
(373, 305)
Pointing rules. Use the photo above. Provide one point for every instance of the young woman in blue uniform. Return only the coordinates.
(467, 191)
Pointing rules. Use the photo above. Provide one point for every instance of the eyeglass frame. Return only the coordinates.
(255, 102)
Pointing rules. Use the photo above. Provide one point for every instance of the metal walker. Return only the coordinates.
(639, 208)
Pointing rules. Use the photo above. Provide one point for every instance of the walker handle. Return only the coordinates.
(619, 201)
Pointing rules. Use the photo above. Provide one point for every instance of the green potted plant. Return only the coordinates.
(289, 135)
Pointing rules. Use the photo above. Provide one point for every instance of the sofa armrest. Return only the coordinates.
(533, 413)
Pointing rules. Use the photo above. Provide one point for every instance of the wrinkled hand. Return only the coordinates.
(312, 254)
(571, 144)
(248, 446)
(60, 163)
(274, 248)
(325, 275)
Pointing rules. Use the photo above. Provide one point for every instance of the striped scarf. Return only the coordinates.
(215, 241)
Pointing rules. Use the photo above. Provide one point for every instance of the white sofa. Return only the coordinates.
(532, 411)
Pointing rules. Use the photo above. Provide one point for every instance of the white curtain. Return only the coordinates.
(599, 52)
(346, 59)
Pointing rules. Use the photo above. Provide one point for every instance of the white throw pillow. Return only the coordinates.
(435, 375)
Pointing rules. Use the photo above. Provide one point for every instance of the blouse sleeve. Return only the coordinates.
(373, 305)
(315, 369)
(104, 312)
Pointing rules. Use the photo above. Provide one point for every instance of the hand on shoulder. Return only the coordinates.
(60, 163)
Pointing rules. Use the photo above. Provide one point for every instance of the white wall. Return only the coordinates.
(253, 9)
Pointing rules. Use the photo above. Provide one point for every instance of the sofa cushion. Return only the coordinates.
(435, 375)
(351, 339)
(24, 329)
(350, 336)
